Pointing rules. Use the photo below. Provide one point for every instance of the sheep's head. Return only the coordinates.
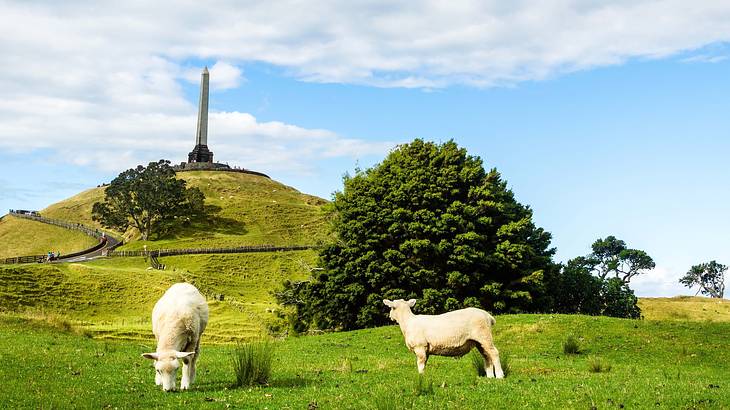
(166, 364)
(398, 306)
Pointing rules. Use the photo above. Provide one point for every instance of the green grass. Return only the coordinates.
(242, 210)
(113, 298)
(21, 237)
(43, 367)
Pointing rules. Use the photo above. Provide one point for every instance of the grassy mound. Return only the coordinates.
(113, 298)
(20, 237)
(242, 209)
(686, 308)
(652, 364)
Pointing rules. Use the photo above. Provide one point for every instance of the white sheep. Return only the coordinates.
(450, 334)
(178, 320)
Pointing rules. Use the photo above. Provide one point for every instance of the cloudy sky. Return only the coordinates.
(605, 117)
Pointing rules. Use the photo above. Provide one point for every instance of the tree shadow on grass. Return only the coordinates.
(210, 222)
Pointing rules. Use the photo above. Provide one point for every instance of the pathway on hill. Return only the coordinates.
(106, 242)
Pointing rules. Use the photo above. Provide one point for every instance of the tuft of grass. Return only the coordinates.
(423, 386)
(346, 366)
(252, 362)
(571, 345)
(477, 363)
(598, 365)
(506, 367)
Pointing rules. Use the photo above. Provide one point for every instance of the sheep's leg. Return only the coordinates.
(421, 358)
(493, 354)
(194, 362)
(188, 370)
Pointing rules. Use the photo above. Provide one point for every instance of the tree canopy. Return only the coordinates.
(148, 198)
(710, 277)
(611, 257)
(427, 223)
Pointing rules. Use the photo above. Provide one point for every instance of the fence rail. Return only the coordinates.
(64, 224)
(203, 251)
(104, 238)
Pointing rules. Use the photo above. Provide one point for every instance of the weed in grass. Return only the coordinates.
(252, 362)
(598, 365)
(571, 345)
(423, 387)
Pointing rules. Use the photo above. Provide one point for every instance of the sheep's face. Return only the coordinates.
(398, 306)
(166, 365)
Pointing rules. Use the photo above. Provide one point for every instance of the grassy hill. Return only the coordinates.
(113, 298)
(20, 237)
(242, 209)
(653, 364)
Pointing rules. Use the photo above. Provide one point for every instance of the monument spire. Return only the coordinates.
(202, 133)
(201, 153)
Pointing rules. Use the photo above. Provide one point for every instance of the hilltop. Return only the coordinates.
(243, 209)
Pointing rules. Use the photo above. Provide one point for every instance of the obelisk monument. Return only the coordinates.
(201, 153)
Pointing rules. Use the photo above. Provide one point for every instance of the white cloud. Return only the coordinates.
(223, 76)
(660, 282)
(103, 78)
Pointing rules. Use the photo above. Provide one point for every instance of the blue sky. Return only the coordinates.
(602, 129)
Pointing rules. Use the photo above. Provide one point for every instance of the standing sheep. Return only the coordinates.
(178, 320)
(450, 334)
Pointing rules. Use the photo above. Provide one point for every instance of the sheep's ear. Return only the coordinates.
(411, 302)
(388, 303)
(180, 355)
(151, 356)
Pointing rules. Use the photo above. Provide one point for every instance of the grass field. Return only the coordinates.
(113, 298)
(21, 237)
(242, 209)
(653, 364)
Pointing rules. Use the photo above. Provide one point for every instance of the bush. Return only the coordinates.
(252, 362)
(571, 345)
(619, 300)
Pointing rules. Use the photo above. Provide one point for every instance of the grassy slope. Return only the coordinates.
(20, 237)
(686, 308)
(663, 364)
(244, 210)
(113, 298)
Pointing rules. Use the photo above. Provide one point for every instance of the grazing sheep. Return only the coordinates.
(450, 334)
(178, 320)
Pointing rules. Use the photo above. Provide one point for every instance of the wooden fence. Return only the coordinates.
(203, 251)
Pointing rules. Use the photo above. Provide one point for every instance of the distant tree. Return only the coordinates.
(428, 223)
(148, 198)
(611, 257)
(710, 277)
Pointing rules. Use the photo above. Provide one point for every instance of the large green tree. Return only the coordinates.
(428, 223)
(148, 198)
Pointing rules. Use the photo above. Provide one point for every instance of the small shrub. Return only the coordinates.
(422, 387)
(597, 365)
(571, 345)
(252, 362)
